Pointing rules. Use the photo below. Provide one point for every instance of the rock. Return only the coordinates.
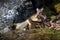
(7, 12)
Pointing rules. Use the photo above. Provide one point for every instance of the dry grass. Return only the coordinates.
(33, 34)
(42, 34)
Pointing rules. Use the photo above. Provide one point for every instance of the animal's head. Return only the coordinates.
(35, 17)
(39, 11)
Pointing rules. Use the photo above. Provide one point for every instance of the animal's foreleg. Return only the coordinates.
(29, 24)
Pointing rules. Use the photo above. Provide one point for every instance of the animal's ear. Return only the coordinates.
(41, 10)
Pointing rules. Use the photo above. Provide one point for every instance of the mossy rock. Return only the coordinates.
(57, 6)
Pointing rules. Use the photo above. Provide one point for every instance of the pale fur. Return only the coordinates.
(28, 21)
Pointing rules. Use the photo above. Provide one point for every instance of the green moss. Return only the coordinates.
(57, 6)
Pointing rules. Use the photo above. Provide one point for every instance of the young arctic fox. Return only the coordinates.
(29, 20)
